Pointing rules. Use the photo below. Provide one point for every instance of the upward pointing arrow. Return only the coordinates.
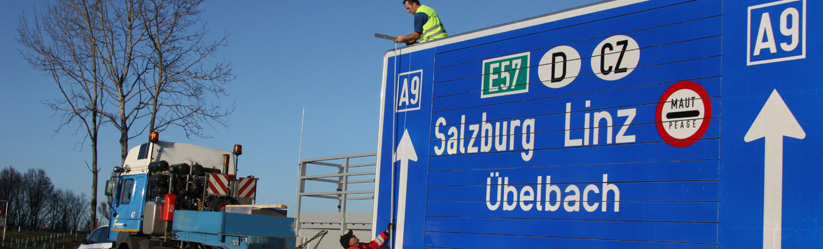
(404, 153)
(774, 122)
(405, 150)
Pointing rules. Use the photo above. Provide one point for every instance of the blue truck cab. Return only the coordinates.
(128, 209)
(176, 195)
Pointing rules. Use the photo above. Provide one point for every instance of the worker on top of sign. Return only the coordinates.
(349, 241)
(427, 25)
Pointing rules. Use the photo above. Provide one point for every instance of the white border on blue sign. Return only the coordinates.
(398, 90)
(749, 61)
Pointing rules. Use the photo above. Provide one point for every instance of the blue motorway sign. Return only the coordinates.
(600, 127)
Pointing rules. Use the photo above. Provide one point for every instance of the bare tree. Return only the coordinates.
(105, 211)
(38, 189)
(56, 213)
(159, 64)
(75, 210)
(181, 82)
(65, 42)
(33, 199)
(125, 64)
(63, 210)
(11, 182)
(122, 62)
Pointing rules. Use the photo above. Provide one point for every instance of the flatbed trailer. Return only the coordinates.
(233, 230)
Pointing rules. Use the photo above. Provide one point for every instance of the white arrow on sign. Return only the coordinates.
(404, 153)
(774, 122)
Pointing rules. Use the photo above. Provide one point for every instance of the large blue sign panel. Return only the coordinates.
(600, 127)
(771, 148)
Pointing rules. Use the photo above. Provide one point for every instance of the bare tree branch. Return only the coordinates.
(181, 80)
(67, 47)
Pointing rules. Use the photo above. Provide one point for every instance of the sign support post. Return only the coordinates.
(5, 211)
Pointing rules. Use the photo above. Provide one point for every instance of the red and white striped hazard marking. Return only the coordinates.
(219, 184)
(246, 187)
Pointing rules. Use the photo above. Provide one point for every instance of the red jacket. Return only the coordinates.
(374, 244)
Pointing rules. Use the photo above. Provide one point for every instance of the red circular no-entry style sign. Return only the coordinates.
(683, 113)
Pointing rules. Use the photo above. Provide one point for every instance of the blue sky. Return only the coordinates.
(287, 56)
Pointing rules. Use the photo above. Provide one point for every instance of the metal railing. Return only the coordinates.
(342, 178)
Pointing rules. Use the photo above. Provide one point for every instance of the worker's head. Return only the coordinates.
(411, 6)
(348, 240)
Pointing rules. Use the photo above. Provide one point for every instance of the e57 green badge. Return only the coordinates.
(505, 75)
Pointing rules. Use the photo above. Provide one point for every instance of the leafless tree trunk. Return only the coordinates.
(181, 82)
(125, 65)
(65, 42)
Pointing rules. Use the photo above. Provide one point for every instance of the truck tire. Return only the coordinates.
(126, 240)
(220, 203)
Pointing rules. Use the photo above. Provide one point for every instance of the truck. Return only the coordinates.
(621, 124)
(180, 195)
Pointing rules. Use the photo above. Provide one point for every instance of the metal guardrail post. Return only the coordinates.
(343, 164)
(301, 187)
(344, 199)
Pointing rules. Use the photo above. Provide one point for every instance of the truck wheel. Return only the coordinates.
(220, 203)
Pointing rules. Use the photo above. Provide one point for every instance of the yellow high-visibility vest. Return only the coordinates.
(433, 29)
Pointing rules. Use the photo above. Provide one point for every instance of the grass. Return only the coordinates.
(38, 240)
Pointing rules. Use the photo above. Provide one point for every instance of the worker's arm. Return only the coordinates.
(377, 242)
(381, 238)
(419, 20)
(407, 38)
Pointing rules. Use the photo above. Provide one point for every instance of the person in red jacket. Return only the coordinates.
(349, 241)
